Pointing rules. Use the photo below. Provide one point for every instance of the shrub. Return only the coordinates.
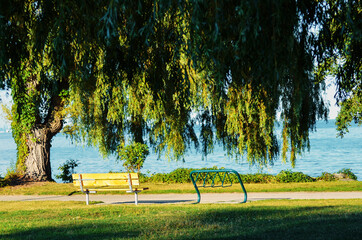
(286, 176)
(326, 177)
(348, 172)
(257, 178)
(133, 156)
(12, 177)
(2, 181)
(67, 169)
(182, 175)
(179, 175)
(143, 177)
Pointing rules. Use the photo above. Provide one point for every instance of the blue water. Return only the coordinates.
(328, 153)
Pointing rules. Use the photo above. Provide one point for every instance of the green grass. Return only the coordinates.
(278, 219)
(66, 189)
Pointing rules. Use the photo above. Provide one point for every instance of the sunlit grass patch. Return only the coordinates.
(294, 219)
(39, 188)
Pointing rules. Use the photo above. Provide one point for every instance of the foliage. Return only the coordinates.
(133, 156)
(67, 169)
(182, 175)
(286, 176)
(12, 177)
(326, 177)
(144, 68)
(2, 182)
(340, 47)
(12, 174)
(179, 175)
(257, 178)
(6, 112)
(351, 111)
(29, 67)
(348, 172)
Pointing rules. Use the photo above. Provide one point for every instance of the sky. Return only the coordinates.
(6, 100)
(329, 96)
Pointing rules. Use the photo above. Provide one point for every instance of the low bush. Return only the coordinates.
(326, 176)
(2, 182)
(348, 172)
(182, 175)
(286, 176)
(257, 178)
(12, 178)
(67, 169)
(179, 175)
(133, 156)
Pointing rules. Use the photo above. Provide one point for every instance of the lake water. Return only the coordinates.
(327, 153)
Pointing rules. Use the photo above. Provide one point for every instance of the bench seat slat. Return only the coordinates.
(114, 189)
(106, 182)
(106, 176)
(107, 189)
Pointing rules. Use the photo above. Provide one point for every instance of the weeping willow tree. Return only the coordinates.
(152, 70)
(339, 55)
(40, 42)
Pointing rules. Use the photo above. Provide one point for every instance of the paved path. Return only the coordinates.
(186, 198)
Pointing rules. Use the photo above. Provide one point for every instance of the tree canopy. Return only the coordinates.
(156, 68)
(340, 55)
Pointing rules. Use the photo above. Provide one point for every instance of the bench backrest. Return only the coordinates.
(106, 179)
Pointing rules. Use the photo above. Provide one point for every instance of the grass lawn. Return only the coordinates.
(277, 219)
(66, 189)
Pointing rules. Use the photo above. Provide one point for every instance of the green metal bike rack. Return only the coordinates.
(223, 175)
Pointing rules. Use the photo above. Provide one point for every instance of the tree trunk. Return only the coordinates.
(37, 163)
(44, 102)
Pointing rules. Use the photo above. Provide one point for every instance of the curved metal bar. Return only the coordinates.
(225, 171)
(223, 179)
(195, 185)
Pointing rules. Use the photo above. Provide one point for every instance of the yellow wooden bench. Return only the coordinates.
(96, 182)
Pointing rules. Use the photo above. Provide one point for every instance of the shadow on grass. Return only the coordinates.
(77, 231)
(326, 222)
(298, 223)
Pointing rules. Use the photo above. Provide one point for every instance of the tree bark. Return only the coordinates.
(37, 163)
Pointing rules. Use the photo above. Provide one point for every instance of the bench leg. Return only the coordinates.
(87, 197)
(136, 198)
